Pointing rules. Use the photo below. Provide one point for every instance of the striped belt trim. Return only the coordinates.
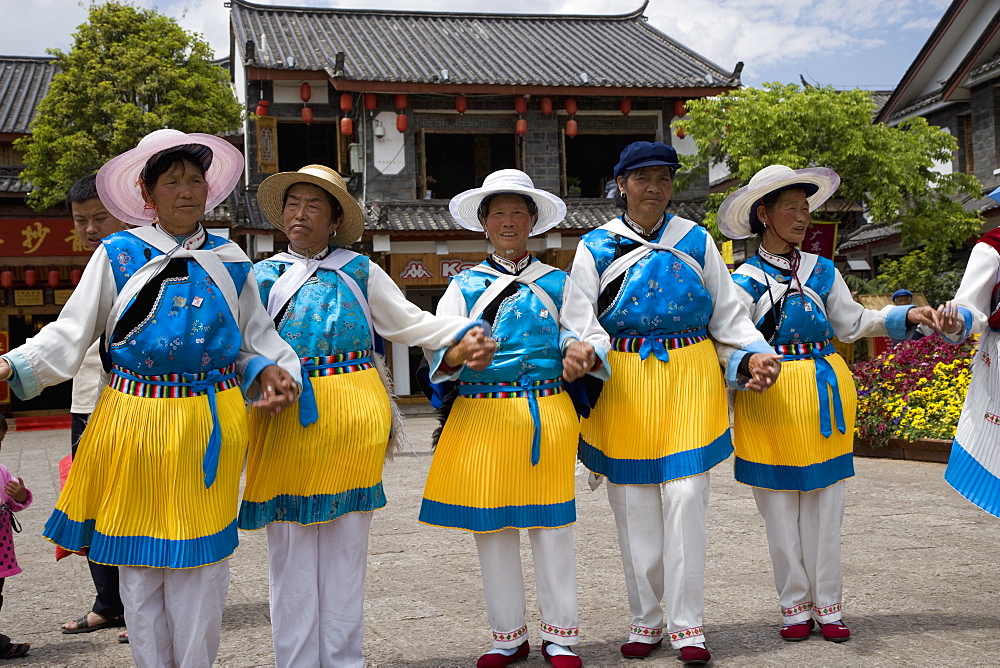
(658, 346)
(207, 383)
(806, 349)
(171, 385)
(332, 365)
(827, 387)
(530, 389)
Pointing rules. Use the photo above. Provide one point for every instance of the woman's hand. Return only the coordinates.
(950, 320)
(475, 351)
(578, 359)
(923, 315)
(278, 390)
(764, 370)
(16, 490)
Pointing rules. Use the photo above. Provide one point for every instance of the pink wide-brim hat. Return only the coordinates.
(118, 180)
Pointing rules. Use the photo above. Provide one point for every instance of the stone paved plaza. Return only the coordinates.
(921, 573)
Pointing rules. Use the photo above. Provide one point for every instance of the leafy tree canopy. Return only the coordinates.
(930, 270)
(888, 170)
(130, 71)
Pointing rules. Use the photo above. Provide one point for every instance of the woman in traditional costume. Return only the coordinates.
(973, 466)
(794, 443)
(314, 487)
(506, 458)
(155, 483)
(660, 288)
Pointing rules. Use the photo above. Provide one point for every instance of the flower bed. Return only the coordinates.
(913, 391)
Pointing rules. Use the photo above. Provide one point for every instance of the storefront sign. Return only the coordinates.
(430, 269)
(45, 237)
(29, 298)
(821, 239)
(62, 296)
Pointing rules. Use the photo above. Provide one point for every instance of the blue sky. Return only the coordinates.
(845, 43)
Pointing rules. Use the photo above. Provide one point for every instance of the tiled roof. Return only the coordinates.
(10, 181)
(866, 234)
(24, 81)
(493, 49)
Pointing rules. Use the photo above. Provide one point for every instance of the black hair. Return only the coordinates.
(484, 206)
(84, 189)
(161, 164)
(620, 199)
(336, 210)
(769, 200)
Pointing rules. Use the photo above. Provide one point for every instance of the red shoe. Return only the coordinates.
(501, 661)
(693, 655)
(560, 660)
(639, 650)
(835, 631)
(797, 632)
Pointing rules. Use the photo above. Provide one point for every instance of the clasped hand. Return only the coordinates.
(475, 351)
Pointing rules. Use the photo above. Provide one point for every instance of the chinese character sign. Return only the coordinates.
(821, 239)
(39, 238)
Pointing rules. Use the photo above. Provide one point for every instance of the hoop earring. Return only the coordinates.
(333, 234)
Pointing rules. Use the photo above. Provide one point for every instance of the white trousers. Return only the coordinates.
(318, 591)
(803, 535)
(555, 582)
(174, 616)
(661, 533)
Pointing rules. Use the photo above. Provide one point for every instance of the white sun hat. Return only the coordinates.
(740, 208)
(464, 207)
(118, 181)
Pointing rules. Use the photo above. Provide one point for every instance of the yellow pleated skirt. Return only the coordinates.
(136, 491)
(658, 421)
(778, 440)
(482, 478)
(314, 474)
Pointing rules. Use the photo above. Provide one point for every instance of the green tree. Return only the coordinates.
(931, 270)
(888, 170)
(130, 71)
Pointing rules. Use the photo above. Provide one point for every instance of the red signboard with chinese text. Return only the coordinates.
(45, 237)
(821, 239)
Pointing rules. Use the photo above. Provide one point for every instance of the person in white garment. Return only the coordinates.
(314, 475)
(92, 222)
(660, 288)
(154, 487)
(795, 442)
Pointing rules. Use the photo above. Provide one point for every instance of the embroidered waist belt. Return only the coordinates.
(527, 388)
(826, 381)
(328, 365)
(659, 345)
(177, 385)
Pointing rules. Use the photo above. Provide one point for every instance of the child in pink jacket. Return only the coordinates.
(14, 496)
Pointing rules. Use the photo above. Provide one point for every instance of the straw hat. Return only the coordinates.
(464, 207)
(271, 199)
(740, 208)
(118, 180)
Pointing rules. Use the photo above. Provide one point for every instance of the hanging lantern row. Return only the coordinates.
(31, 278)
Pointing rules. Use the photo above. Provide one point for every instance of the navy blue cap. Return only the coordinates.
(646, 154)
(902, 293)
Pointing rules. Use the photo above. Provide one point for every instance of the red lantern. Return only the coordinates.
(346, 102)
(346, 126)
(679, 108)
(74, 277)
(305, 91)
(401, 101)
(30, 278)
(570, 105)
(401, 122)
(262, 106)
(571, 128)
(521, 127)
(626, 105)
(461, 104)
(371, 101)
(7, 279)
(681, 134)
(520, 104)
(53, 279)
(546, 106)
(307, 115)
